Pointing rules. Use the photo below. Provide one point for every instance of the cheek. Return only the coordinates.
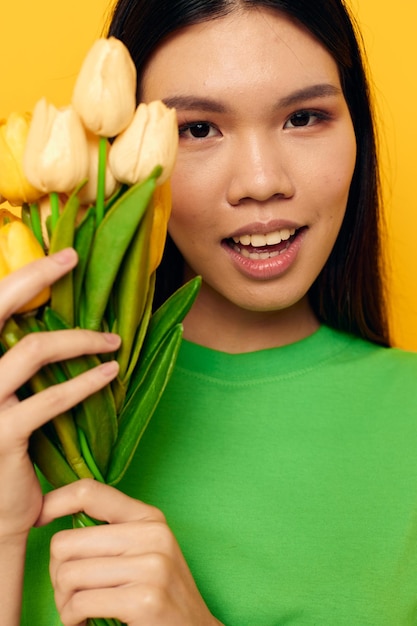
(188, 215)
(184, 197)
(331, 180)
(196, 194)
(343, 163)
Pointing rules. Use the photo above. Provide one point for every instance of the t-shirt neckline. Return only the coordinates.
(304, 354)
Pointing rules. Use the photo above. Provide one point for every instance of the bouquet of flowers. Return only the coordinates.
(99, 170)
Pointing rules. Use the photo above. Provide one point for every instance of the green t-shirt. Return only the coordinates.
(289, 477)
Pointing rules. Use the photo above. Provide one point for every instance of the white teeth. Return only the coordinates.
(286, 234)
(245, 240)
(268, 239)
(258, 240)
(273, 238)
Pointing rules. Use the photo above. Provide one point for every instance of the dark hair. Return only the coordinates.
(348, 294)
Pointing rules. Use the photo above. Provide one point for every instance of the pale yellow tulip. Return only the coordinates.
(56, 155)
(105, 90)
(151, 139)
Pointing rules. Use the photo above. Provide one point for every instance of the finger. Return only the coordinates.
(98, 573)
(130, 604)
(73, 577)
(97, 500)
(107, 540)
(20, 363)
(24, 417)
(24, 284)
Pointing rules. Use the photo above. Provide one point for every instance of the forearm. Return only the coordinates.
(12, 563)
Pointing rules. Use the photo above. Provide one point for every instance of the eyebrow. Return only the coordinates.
(195, 103)
(324, 90)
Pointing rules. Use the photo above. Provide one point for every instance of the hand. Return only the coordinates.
(131, 569)
(20, 494)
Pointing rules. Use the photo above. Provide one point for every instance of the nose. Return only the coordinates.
(259, 170)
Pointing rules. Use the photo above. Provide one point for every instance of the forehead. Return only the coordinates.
(244, 48)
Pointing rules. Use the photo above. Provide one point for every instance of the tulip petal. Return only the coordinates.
(56, 154)
(18, 247)
(14, 185)
(150, 140)
(105, 91)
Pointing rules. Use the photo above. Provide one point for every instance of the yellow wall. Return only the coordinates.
(390, 37)
(43, 43)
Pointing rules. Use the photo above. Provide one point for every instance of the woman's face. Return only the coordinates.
(266, 155)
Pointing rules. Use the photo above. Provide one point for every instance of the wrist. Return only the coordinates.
(12, 560)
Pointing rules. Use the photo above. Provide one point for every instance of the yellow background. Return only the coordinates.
(43, 44)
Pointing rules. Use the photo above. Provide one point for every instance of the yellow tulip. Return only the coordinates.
(14, 185)
(161, 213)
(151, 139)
(105, 90)
(88, 193)
(56, 155)
(18, 247)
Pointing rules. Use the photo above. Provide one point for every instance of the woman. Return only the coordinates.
(282, 453)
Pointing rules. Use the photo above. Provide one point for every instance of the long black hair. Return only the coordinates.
(348, 294)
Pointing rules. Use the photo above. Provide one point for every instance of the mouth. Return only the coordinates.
(263, 246)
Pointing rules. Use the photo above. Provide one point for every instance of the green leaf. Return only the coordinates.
(49, 460)
(131, 290)
(137, 413)
(141, 331)
(111, 241)
(172, 312)
(83, 240)
(62, 298)
(96, 414)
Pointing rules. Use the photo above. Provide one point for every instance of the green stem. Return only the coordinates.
(82, 520)
(88, 457)
(25, 215)
(35, 221)
(54, 199)
(101, 179)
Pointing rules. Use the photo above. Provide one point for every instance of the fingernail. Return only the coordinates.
(109, 369)
(65, 256)
(112, 339)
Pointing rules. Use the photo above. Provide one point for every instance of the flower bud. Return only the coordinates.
(88, 193)
(14, 186)
(105, 91)
(18, 247)
(56, 155)
(151, 139)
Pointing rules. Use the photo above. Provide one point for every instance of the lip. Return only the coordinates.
(266, 269)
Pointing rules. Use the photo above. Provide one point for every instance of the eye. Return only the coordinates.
(197, 130)
(305, 118)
